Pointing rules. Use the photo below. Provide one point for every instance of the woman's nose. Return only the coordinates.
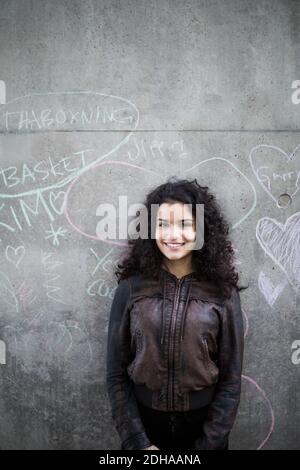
(175, 233)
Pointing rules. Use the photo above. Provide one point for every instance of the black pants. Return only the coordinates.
(172, 429)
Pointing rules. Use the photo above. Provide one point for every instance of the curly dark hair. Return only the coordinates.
(213, 262)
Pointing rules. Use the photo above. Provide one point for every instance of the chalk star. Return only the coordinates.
(55, 234)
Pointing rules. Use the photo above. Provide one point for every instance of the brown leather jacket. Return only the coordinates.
(174, 345)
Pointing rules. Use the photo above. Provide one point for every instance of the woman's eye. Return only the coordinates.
(183, 224)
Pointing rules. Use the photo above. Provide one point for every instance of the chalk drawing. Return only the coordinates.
(50, 265)
(2, 352)
(4, 225)
(18, 353)
(26, 294)
(51, 289)
(276, 183)
(25, 213)
(54, 234)
(102, 262)
(245, 178)
(74, 325)
(55, 345)
(40, 127)
(49, 119)
(155, 150)
(37, 318)
(40, 121)
(46, 168)
(178, 147)
(2, 92)
(36, 175)
(21, 214)
(67, 340)
(54, 197)
(72, 186)
(259, 390)
(7, 292)
(270, 409)
(136, 149)
(15, 255)
(281, 242)
(267, 288)
(62, 344)
(99, 286)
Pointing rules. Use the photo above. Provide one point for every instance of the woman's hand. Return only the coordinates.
(152, 447)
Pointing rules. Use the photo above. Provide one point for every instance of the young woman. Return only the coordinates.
(176, 338)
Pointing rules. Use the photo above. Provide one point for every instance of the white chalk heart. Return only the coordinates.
(54, 197)
(15, 255)
(268, 289)
(282, 243)
(267, 162)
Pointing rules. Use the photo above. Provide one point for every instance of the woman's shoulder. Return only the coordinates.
(206, 291)
(139, 286)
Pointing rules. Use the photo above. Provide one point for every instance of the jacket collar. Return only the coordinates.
(197, 290)
(190, 275)
(200, 289)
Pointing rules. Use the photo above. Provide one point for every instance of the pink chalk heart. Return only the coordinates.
(226, 181)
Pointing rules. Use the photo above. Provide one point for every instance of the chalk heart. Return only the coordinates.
(57, 200)
(228, 172)
(277, 171)
(268, 289)
(15, 255)
(282, 243)
(221, 174)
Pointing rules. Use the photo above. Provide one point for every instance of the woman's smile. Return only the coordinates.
(174, 246)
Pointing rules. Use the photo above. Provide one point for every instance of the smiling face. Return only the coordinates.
(175, 230)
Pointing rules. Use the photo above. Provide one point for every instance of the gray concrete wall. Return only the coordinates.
(106, 98)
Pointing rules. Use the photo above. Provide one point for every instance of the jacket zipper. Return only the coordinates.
(171, 345)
